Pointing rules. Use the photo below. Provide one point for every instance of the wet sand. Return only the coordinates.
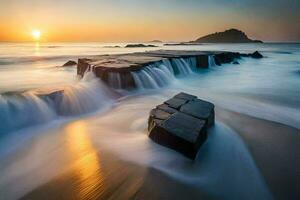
(73, 167)
(275, 149)
(115, 180)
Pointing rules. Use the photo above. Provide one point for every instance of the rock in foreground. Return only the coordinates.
(181, 123)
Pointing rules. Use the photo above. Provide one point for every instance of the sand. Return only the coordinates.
(275, 149)
(115, 180)
(95, 173)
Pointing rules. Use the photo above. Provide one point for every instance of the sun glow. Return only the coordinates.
(36, 34)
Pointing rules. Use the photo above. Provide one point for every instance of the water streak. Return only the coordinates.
(32, 108)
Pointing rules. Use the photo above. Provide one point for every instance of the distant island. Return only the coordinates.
(228, 36)
(139, 45)
(155, 41)
(182, 44)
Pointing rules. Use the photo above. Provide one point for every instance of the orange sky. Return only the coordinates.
(125, 21)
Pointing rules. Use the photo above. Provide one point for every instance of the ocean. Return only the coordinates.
(250, 153)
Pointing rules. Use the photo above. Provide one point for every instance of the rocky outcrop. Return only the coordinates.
(139, 45)
(120, 67)
(256, 54)
(232, 57)
(70, 63)
(181, 123)
(228, 36)
(226, 57)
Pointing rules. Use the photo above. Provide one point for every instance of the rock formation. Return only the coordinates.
(181, 123)
(120, 67)
(69, 63)
(228, 36)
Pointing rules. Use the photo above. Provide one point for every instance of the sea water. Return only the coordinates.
(267, 88)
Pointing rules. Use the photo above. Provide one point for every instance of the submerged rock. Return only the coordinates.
(69, 63)
(256, 54)
(181, 123)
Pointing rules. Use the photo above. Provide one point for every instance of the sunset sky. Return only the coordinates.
(144, 20)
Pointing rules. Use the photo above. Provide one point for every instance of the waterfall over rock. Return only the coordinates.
(114, 80)
(163, 73)
(211, 61)
(32, 108)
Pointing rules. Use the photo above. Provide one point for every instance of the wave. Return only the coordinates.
(20, 110)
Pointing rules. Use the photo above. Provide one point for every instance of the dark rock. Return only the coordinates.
(157, 116)
(235, 62)
(183, 44)
(125, 64)
(166, 108)
(180, 132)
(202, 61)
(185, 96)
(181, 123)
(127, 81)
(200, 109)
(256, 54)
(69, 63)
(228, 36)
(116, 46)
(82, 66)
(139, 45)
(226, 57)
(175, 102)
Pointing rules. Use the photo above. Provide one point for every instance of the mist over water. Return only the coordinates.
(267, 89)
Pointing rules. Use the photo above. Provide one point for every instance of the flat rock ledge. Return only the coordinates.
(181, 123)
(122, 65)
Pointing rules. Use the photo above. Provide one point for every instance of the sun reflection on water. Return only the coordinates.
(37, 48)
(87, 167)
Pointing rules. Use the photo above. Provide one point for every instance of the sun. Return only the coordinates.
(36, 34)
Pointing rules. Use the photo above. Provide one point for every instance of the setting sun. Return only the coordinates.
(36, 34)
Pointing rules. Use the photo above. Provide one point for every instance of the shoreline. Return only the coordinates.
(97, 171)
(274, 147)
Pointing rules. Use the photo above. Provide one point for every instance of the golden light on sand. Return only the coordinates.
(36, 34)
(87, 167)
